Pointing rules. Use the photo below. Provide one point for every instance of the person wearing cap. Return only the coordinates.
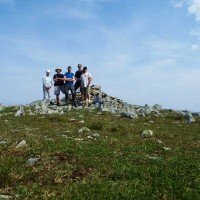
(86, 79)
(58, 84)
(69, 85)
(78, 74)
(47, 84)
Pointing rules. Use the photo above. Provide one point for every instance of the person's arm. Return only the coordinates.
(89, 79)
(70, 79)
(74, 78)
(55, 78)
(76, 75)
(61, 79)
(67, 79)
(51, 82)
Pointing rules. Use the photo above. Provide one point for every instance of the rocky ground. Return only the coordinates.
(108, 104)
(112, 151)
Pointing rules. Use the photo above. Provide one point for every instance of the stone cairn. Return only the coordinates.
(106, 103)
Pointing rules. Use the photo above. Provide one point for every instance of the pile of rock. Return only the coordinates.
(107, 103)
(187, 115)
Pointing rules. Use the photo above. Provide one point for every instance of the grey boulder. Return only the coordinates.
(20, 112)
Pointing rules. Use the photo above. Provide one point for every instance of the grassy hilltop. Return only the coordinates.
(109, 160)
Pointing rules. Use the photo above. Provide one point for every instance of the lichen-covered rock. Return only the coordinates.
(167, 148)
(32, 161)
(129, 114)
(84, 130)
(3, 197)
(2, 142)
(20, 112)
(95, 135)
(189, 117)
(146, 133)
(21, 144)
(157, 107)
(143, 111)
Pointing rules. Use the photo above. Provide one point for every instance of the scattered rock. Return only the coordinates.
(81, 122)
(78, 139)
(84, 130)
(2, 196)
(20, 112)
(95, 135)
(157, 107)
(58, 180)
(105, 110)
(129, 114)
(3, 142)
(143, 111)
(196, 114)
(21, 144)
(156, 115)
(90, 137)
(72, 120)
(31, 113)
(167, 148)
(146, 133)
(32, 161)
(65, 136)
(189, 117)
(153, 157)
(159, 142)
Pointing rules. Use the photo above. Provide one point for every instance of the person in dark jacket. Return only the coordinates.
(78, 74)
(58, 84)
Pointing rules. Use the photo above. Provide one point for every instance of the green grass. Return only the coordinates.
(117, 165)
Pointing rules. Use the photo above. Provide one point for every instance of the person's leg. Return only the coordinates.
(62, 89)
(82, 95)
(49, 93)
(81, 90)
(88, 95)
(44, 93)
(57, 93)
(72, 89)
(66, 94)
(44, 96)
(74, 94)
(85, 96)
(57, 100)
(77, 84)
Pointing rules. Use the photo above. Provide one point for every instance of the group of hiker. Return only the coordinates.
(68, 82)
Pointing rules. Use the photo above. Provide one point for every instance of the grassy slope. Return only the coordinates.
(115, 166)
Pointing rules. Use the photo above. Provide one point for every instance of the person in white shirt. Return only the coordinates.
(86, 79)
(47, 85)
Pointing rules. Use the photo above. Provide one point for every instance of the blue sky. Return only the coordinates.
(143, 51)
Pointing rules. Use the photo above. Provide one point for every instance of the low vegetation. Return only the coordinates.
(111, 161)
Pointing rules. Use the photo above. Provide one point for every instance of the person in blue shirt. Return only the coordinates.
(69, 85)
